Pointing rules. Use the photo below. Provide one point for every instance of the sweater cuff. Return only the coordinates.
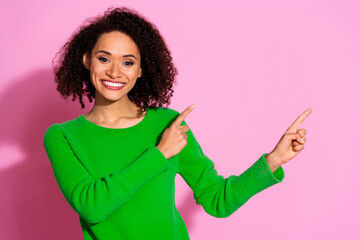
(278, 175)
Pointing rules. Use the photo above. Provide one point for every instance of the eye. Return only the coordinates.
(100, 58)
(129, 63)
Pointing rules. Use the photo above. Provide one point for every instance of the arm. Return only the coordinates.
(95, 199)
(219, 196)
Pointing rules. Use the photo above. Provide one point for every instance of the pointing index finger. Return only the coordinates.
(296, 124)
(183, 115)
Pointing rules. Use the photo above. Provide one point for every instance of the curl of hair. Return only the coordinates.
(155, 86)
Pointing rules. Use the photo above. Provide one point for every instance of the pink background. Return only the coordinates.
(250, 67)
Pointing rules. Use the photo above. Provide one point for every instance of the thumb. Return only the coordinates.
(295, 136)
(302, 132)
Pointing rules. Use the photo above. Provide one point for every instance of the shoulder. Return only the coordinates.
(165, 114)
(52, 132)
(166, 111)
(53, 129)
(58, 129)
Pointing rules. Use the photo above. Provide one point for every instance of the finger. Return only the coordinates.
(297, 142)
(302, 132)
(184, 128)
(291, 137)
(298, 148)
(182, 116)
(300, 139)
(185, 135)
(296, 124)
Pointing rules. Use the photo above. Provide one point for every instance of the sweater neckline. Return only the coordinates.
(135, 127)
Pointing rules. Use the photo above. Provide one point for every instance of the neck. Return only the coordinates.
(111, 111)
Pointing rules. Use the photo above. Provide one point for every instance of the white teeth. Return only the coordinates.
(113, 84)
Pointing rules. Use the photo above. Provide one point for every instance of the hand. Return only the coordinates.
(290, 144)
(173, 139)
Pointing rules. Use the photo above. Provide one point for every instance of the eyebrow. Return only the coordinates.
(127, 55)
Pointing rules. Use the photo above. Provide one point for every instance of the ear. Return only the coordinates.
(86, 61)
(140, 72)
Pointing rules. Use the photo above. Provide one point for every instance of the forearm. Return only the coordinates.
(273, 162)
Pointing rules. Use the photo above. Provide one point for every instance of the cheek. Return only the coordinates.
(96, 71)
(135, 73)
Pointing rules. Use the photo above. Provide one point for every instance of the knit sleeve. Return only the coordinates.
(219, 196)
(95, 199)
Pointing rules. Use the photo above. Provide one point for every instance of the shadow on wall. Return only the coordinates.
(187, 209)
(32, 205)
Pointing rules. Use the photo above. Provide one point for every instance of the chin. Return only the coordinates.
(109, 97)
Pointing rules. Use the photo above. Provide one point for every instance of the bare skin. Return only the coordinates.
(122, 122)
(115, 57)
(173, 139)
(291, 143)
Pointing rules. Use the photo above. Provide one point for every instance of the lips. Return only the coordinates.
(111, 81)
(112, 87)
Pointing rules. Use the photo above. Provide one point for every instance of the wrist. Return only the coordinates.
(162, 151)
(272, 161)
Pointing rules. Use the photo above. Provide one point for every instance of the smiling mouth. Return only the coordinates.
(111, 85)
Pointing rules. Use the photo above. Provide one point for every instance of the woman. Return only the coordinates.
(116, 164)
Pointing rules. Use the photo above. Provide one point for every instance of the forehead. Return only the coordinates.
(116, 43)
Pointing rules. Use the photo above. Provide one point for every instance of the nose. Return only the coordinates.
(114, 71)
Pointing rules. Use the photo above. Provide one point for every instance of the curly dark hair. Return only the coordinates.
(153, 88)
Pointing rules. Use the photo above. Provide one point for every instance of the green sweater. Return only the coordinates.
(123, 187)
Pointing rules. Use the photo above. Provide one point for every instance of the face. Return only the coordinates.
(114, 66)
